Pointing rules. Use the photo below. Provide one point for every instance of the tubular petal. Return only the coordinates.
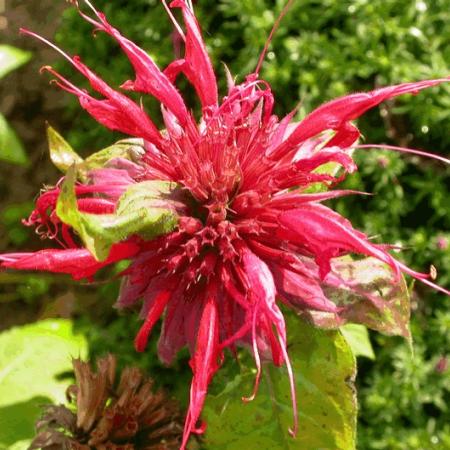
(198, 67)
(204, 362)
(154, 313)
(334, 114)
(77, 262)
(149, 78)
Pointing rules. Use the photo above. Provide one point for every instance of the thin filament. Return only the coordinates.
(273, 31)
(174, 21)
(412, 151)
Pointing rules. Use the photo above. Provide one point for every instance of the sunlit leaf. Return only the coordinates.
(324, 370)
(61, 153)
(32, 360)
(358, 338)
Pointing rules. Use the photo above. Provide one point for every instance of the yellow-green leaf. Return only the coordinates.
(61, 153)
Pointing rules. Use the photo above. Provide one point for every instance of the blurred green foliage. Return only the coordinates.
(34, 361)
(11, 148)
(323, 49)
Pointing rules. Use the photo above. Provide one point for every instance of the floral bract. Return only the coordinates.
(216, 216)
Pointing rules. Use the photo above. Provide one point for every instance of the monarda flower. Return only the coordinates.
(216, 216)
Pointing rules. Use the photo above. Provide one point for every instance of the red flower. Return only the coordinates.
(248, 232)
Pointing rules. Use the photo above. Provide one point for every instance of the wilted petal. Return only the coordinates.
(155, 311)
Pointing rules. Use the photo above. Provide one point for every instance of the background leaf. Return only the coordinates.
(11, 149)
(32, 360)
(324, 370)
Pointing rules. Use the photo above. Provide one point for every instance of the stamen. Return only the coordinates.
(256, 356)
(174, 21)
(269, 39)
(402, 150)
(45, 41)
(294, 430)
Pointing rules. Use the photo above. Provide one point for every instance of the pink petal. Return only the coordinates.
(345, 136)
(291, 200)
(325, 156)
(117, 111)
(263, 290)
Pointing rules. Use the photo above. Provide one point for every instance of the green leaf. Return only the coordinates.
(369, 295)
(11, 149)
(11, 58)
(61, 153)
(357, 337)
(324, 369)
(32, 360)
(139, 211)
(126, 148)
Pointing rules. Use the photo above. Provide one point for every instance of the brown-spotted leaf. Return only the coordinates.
(369, 294)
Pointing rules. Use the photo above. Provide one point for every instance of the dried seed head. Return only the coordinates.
(127, 415)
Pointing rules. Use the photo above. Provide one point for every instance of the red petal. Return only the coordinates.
(327, 234)
(77, 262)
(205, 362)
(198, 66)
(334, 114)
(154, 313)
(149, 78)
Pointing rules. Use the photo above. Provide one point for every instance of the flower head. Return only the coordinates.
(217, 217)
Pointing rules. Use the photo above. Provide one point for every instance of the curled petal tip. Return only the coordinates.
(45, 69)
(249, 399)
(433, 272)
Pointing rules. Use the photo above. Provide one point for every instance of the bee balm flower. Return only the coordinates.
(216, 217)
